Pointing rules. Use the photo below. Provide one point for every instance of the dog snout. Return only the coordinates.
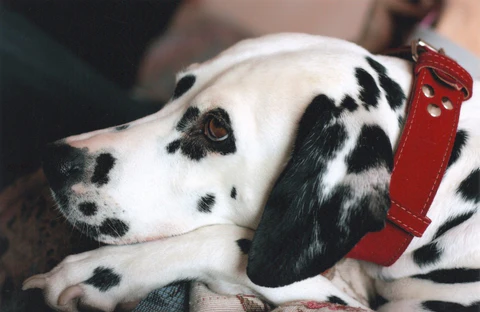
(63, 165)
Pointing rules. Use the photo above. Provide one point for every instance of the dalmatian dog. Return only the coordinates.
(290, 134)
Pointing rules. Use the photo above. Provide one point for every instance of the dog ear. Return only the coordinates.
(332, 192)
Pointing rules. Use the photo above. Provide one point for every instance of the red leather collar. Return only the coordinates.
(440, 86)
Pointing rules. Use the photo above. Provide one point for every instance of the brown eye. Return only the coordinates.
(214, 130)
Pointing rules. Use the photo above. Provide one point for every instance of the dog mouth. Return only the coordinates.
(90, 217)
(101, 219)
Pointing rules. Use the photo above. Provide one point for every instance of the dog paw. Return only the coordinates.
(94, 279)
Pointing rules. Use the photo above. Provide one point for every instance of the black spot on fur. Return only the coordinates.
(104, 163)
(88, 208)
(183, 85)
(190, 116)
(393, 92)
(379, 68)
(233, 193)
(452, 276)
(376, 302)
(206, 203)
(103, 279)
(113, 227)
(336, 300)
(453, 222)
(122, 127)
(469, 189)
(244, 245)
(194, 150)
(369, 92)
(373, 150)
(460, 141)
(444, 306)
(349, 103)
(427, 254)
(172, 147)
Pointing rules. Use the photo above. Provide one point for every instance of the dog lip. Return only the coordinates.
(137, 240)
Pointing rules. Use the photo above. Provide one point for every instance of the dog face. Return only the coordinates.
(213, 154)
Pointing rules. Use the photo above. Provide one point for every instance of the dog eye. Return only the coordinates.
(214, 130)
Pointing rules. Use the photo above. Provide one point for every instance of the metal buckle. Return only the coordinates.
(420, 44)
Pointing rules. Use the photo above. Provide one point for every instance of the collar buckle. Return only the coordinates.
(418, 46)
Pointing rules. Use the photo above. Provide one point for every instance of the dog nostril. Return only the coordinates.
(63, 165)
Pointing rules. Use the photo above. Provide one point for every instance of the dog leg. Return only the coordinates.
(216, 255)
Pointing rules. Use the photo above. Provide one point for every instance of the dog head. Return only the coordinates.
(299, 124)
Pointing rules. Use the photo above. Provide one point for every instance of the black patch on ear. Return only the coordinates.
(206, 203)
(233, 193)
(103, 279)
(427, 254)
(183, 85)
(88, 208)
(303, 230)
(319, 117)
(244, 245)
(104, 163)
(445, 306)
(122, 127)
(453, 222)
(369, 92)
(460, 141)
(451, 276)
(469, 189)
(336, 300)
(393, 92)
(190, 116)
(349, 103)
(113, 227)
(173, 146)
(373, 150)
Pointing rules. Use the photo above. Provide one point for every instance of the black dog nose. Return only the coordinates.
(63, 165)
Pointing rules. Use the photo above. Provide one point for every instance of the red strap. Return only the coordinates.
(421, 157)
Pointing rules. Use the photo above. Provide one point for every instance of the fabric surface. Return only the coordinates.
(203, 299)
(171, 298)
(34, 237)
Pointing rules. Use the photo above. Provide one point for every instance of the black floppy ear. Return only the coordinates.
(332, 192)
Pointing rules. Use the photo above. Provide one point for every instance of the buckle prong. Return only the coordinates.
(419, 44)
